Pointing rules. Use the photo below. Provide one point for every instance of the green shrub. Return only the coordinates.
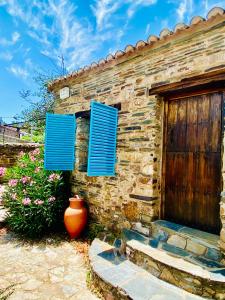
(37, 137)
(93, 230)
(33, 196)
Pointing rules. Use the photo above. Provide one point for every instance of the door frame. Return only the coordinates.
(174, 95)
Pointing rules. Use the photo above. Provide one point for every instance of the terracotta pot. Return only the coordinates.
(75, 217)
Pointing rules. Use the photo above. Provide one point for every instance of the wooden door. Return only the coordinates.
(192, 165)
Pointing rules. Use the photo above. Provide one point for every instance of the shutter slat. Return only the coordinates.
(105, 117)
(103, 133)
(107, 125)
(102, 140)
(103, 143)
(60, 142)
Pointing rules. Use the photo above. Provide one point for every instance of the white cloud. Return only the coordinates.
(58, 30)
(64, 35)
(24, 11)
(7, 56)
(147, 29)
(136, 4)
(18, 71)
(10, 42)
(15, 37)
(103, 9)
(185, 8)
(25, 71)
(76, 40)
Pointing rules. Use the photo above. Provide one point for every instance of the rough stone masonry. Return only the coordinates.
(134, 194)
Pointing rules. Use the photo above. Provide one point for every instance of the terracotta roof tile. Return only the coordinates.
(214, 12)
(164, 33)
(152, 39)
(180, 26)
(119, 53)
(110, 57)
(196, 20)
(129, 49)
(139, 45)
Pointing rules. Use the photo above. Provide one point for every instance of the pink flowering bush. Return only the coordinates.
(2, 171)
(34, 196)
(2, 174)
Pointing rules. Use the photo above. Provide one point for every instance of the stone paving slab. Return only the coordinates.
(42, 271)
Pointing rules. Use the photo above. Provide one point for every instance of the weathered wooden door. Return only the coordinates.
(192, 165)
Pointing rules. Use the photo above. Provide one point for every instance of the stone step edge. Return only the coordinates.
(107, 289)
(182, 274)
(186, 236)
(174, 262)
(115, 290)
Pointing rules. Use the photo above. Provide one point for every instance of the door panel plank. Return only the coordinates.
(193, 161)
(192, 126)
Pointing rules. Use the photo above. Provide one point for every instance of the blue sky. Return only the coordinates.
(34, 34)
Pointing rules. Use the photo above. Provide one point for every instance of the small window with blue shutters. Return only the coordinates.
(102, 140)
(60, 142)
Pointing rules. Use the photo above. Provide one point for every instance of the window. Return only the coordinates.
(60, 141)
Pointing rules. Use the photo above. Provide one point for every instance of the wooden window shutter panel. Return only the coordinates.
(60, 142)
(102, 140)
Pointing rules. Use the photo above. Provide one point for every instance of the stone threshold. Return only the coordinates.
(194, 245)
(119, 278)
(202, 237)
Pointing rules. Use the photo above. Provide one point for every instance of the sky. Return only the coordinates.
(36, 34)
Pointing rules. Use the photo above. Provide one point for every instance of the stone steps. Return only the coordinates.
(175, 269)
(195, 273)
(192, 240)
(173, 254)
(119, 278)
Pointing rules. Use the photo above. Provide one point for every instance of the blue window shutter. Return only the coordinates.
(60, 142)
(102, 140)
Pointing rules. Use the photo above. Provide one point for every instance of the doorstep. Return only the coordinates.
(205, 238)
(198, 242)
(180, 267)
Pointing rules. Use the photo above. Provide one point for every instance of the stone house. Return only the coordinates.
(169, 92)
(8, 133)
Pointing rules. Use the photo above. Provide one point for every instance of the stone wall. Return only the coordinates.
(10, 131)
(9, 153)
(134, 194)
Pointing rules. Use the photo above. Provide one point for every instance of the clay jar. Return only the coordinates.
(75, 217)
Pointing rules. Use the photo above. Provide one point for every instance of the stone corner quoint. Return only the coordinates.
(170, 136)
